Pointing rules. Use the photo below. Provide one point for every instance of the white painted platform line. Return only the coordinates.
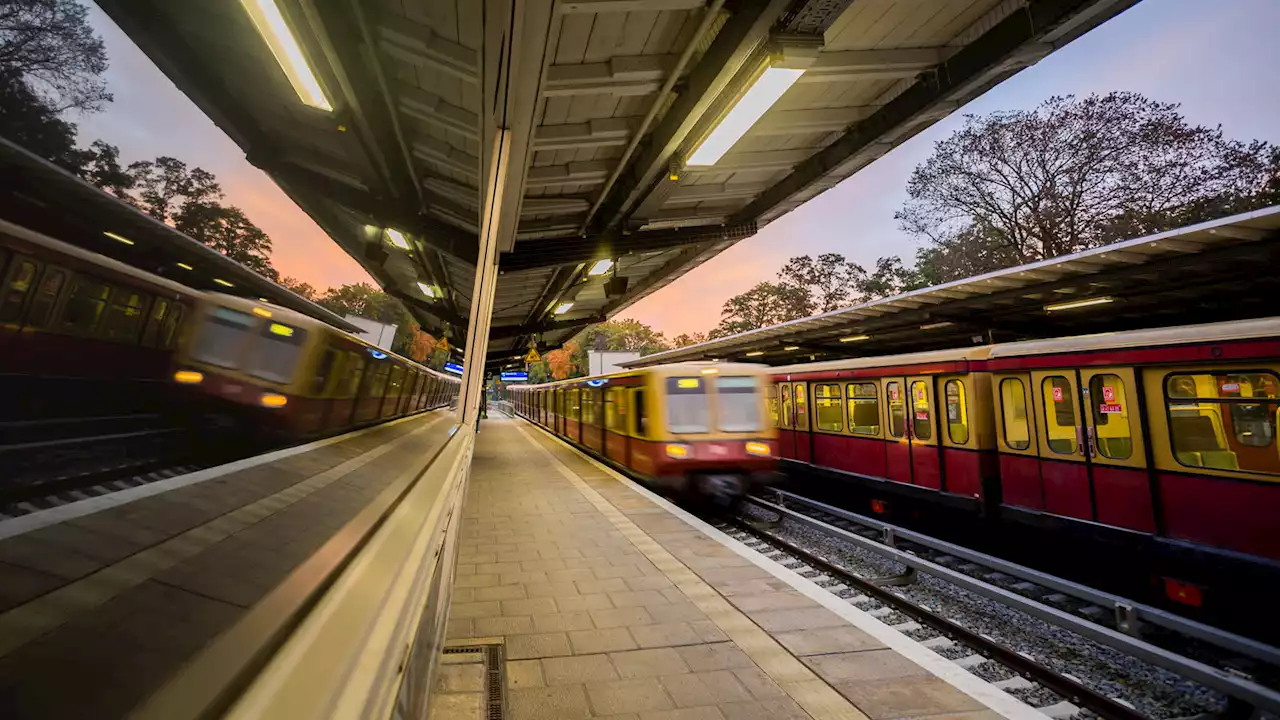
(984, 692)
(51, 516)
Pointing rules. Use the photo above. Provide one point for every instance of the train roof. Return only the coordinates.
(919, 358)
(669, 369)
(1181, 335)
(92, 258)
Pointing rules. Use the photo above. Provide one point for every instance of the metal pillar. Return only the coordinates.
(472, 392)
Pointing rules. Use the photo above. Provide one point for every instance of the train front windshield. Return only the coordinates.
(736, 399)
(240, 341)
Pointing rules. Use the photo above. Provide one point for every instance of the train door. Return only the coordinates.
(803, 429)
(926, 462)
(1064, 468)
(786, 422)
(1117, 452)
(898, 447)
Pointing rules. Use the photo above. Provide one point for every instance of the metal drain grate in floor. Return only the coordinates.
(495, 697)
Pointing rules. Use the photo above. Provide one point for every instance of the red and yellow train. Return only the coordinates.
(1154, 447)
(699, 430)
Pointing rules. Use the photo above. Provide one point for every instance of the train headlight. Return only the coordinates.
(758, 449)
(188, 377)
(273, 400)
(677, 451)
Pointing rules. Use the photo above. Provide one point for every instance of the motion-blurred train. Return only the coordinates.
(82, 334)
(1155, 450)
(699, 430)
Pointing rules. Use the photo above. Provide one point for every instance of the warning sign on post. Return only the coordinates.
(532, 357)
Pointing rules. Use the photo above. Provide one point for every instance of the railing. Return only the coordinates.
(356, 630)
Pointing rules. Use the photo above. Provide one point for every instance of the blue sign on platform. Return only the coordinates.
(453, 367)
(515, 377)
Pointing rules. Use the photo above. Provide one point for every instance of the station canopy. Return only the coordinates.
(1211, 272)
(43, 197)
(622, 151)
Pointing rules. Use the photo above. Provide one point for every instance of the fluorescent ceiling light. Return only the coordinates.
(275, 31)
(1079, 304)
(755, 353)
(427, 289)
(562, 308)
(789, 348)
(601, 267)
(397, 238)
(935, 326)
(749, 108)
(222, 282)
(185, 266)
(119, 238)
(855, 338)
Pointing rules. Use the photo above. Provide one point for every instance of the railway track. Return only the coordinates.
(1064, 648)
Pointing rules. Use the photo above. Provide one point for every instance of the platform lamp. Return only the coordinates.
(785, 59)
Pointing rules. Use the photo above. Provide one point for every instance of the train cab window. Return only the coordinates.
(16, 291)
(957, 412)
(222, 337)
(687, 409)
(921, 423)
(155, 321)
(1013, 407)
(738, 403)
(863, 401)
(124, 315)
(1109, 407)
(321, 379)
(828, 408)
(788, 417)
(771, 404)
(276, 353)
(1224, 421)
(1060, 414)
(40, 314)
(84, 308)
(642, 418)
(897, 409)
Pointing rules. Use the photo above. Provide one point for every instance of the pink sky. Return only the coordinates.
(1217, 59)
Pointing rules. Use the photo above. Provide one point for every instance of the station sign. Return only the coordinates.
(453, 367)
(515, 377)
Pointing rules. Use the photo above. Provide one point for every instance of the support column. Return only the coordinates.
(486, 283)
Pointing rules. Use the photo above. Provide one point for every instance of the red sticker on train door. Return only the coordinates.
(1057, 394)
(893, 393)
(1108, 394)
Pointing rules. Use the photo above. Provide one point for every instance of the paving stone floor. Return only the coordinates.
(609, 606)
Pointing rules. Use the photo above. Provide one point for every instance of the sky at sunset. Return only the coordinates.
(1218, 59)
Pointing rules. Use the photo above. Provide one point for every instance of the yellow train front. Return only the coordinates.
(285, 375)
(700, 430)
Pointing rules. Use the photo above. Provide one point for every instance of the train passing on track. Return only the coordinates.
(1154, 448)
(291, 375)
(700, 430)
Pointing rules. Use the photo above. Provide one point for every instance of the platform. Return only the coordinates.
(602, 600)
(102, 600)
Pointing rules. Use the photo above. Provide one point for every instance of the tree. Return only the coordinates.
(1073, 174)
(298, 287)
(560, 362)
(30, 122)
(765, 304)
(421, 345)
(623, 336)
(366, 301)
(539, 372)
(891, 277)
(686, 339)
(50, 44)
(829, 282)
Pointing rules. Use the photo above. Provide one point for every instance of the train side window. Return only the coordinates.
(1224, 420)
(897, 409)
(378, 386)
(801, 398)
(921, 423)
(642, 418)
(1109, 407)
(16, 290)
(155, 321)
(615, 411)
(864, 408)
(1013, 407)
(575, 404)
(771, 402)
(323, 370)
(40, 314)
(828, 407)
(124, 315)
(354, 371)
(1060, 414)
(957, 412)
(788, 419)
(172, 325)
(588, 407)
(84, 308)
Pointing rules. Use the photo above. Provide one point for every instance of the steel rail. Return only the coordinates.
(1126, 611)
(1229, 684)
(1071, 689)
